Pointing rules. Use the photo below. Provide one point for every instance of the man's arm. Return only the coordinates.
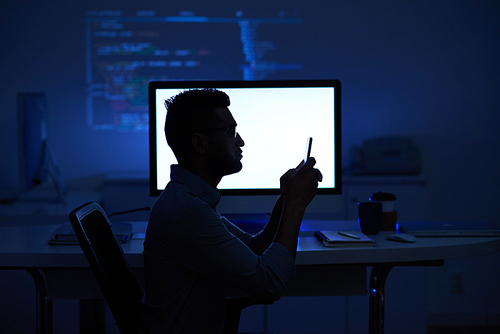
(299, 187)
(271, 227)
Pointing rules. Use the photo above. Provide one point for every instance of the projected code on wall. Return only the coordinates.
(125, 53)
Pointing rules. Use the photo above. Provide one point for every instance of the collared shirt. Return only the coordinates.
(191, 252)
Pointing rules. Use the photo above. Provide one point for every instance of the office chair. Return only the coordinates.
(109, 265)
(112, 271)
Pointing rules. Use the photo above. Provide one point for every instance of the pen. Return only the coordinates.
(350, 235)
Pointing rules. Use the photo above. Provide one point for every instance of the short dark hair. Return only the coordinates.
(189, 112)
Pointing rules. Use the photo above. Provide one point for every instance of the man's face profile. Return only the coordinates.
(225, 150)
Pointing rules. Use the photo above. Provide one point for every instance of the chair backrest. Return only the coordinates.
(118, 284)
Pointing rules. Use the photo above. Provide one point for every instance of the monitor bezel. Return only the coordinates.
(222, 84)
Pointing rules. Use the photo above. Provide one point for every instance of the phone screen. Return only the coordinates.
(308, 149)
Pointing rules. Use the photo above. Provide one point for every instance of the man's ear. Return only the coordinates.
(199, 142)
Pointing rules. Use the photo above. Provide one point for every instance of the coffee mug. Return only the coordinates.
(389, 214)
(370, 217)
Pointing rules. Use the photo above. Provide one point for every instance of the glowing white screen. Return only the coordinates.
(274, 124)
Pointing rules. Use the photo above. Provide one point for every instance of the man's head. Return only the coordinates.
(200, 126)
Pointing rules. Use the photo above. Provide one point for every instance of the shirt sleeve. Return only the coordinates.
(255, 242)
(206, 246)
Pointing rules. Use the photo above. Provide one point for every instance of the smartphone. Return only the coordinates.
(308, 149)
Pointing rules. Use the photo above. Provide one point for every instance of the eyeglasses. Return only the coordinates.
(231, 131)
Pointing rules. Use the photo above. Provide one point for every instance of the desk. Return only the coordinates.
(25, 247)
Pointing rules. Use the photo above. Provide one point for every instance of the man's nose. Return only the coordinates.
(239, 140)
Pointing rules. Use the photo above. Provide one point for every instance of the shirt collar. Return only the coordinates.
(208, 194)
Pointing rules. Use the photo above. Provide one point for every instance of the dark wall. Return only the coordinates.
(426, 69)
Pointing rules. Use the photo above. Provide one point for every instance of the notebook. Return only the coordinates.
(334, 239)
(449, 229)
(65, 235)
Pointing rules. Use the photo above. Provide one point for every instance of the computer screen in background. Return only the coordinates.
(274, 118)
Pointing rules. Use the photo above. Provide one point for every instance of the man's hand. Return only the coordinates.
(299, 185)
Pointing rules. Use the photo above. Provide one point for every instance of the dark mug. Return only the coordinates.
(370, 217)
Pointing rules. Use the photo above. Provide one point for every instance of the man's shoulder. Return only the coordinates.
(178, 199)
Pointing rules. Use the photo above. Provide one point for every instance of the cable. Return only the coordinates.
(147, 208)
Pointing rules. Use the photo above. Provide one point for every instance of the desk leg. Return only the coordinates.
(377, 298)
(92, 316)
(43, 303)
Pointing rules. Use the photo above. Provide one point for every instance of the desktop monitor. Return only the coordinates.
(275, 119)
(36, 161)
